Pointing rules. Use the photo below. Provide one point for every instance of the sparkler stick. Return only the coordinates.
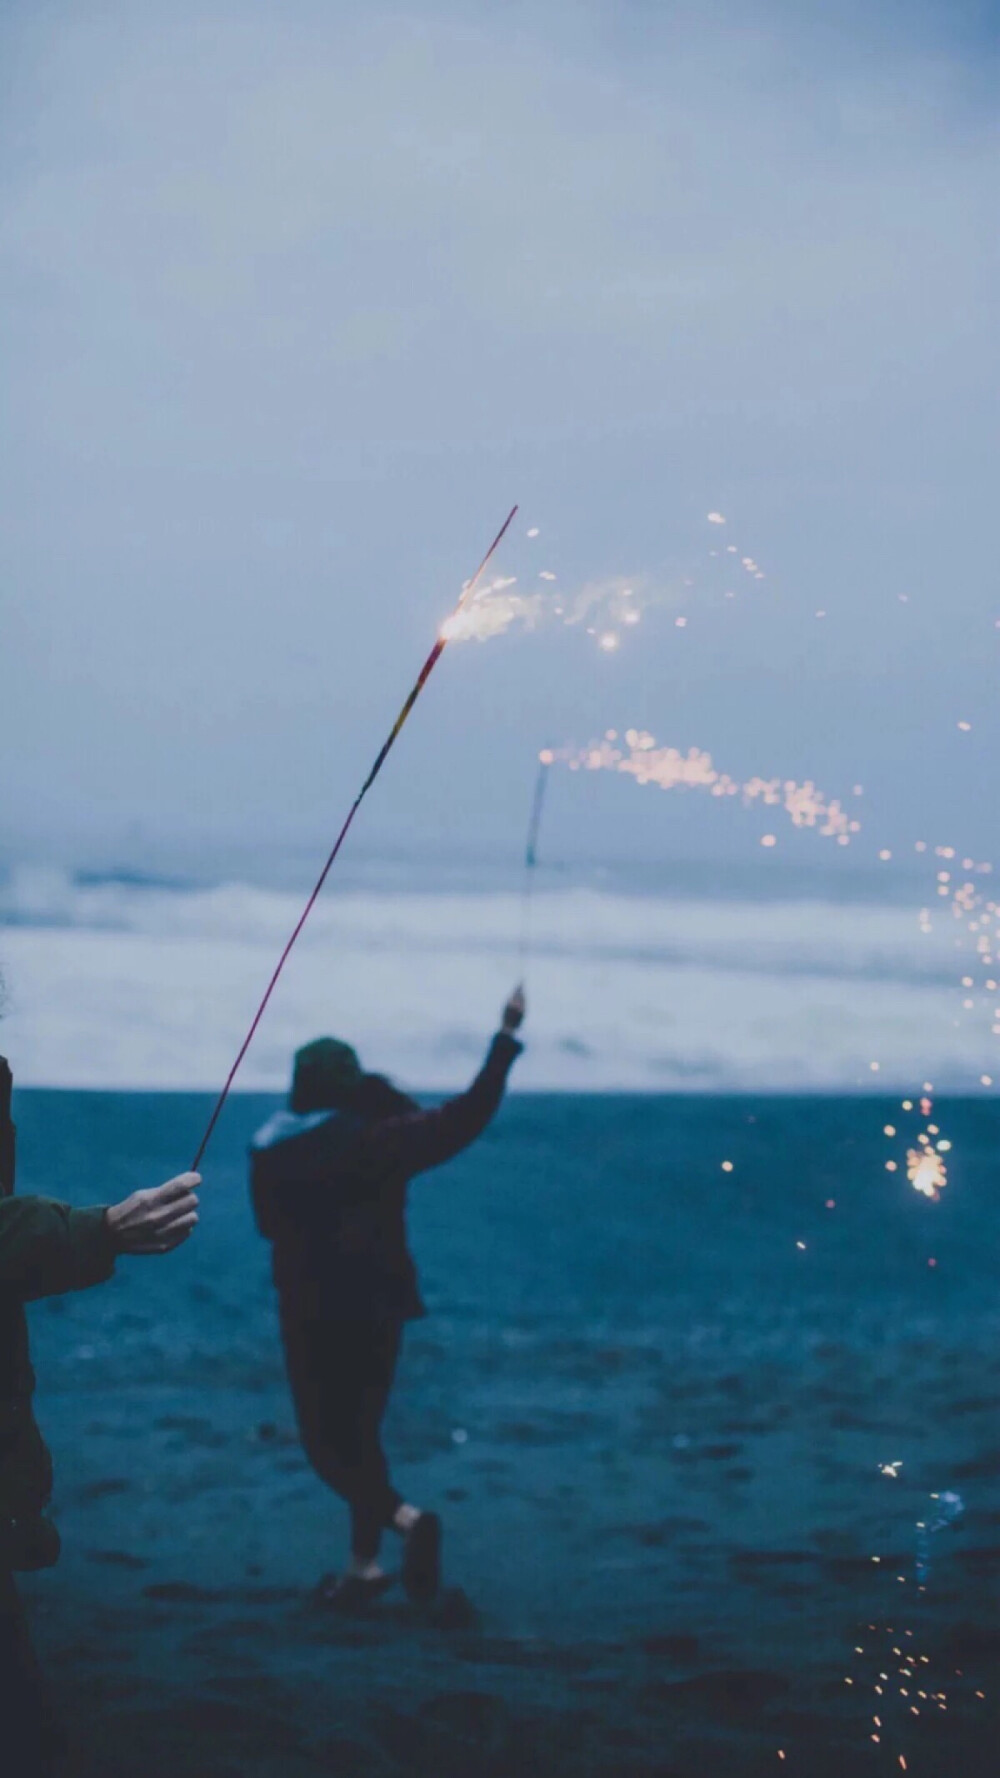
(421, 680)
(531, 855)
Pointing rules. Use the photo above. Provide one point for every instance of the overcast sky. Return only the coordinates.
(296, 299)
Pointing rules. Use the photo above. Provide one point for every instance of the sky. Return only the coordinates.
(297, 300)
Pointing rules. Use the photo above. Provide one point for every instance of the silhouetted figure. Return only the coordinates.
(329, 1179)
(47, 1248)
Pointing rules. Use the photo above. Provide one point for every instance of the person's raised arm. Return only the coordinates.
(47, 1248)
(423, 1139)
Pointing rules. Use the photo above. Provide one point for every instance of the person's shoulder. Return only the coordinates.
(285, 1126)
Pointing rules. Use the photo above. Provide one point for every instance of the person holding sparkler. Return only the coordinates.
(328, 1183)
(46, 1249)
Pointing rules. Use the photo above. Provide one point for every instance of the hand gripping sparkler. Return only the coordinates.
(422, 678)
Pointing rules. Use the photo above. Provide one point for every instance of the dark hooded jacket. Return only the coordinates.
(329, 1192)
(46, 1248)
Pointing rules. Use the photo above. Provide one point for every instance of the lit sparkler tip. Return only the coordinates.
(768, 839)
(546, 756)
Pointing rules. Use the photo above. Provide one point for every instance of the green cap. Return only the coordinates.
(325, 1073)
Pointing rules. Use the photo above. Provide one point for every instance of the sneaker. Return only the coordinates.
(352, 1592)
(422, 1559)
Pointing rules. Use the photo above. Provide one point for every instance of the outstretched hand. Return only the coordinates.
(155, 1220)
(513, 1012)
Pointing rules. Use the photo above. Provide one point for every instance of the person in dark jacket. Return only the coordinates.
(46, 1249)
(328, 1181)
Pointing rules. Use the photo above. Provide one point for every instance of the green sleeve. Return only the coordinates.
(47, 1248)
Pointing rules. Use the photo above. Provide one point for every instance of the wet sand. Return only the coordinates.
(654, 1426)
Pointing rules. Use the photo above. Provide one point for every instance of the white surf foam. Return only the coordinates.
(114, 984)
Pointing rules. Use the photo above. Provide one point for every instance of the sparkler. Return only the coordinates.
(421, 680)
(545, 759)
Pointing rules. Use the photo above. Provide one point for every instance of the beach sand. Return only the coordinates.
(653, 1422)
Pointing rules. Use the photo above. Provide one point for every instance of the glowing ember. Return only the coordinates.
(926, 1172)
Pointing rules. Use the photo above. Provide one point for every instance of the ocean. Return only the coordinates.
(637, 982)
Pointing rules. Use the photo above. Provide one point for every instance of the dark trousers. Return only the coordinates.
(31, 1741)
(341, 1374)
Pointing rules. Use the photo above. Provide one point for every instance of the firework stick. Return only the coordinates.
(422, 678)
(531, 855)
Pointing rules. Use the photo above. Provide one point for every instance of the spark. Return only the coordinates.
(926, 1172)
(640, 758)
(716, 518)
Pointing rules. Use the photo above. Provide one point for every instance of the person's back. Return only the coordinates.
(332, 1203)
(329, 1179)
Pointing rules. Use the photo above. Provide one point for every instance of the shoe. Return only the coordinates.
(352, 1593)
(422, 1559)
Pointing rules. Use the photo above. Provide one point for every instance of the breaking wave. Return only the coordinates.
(120, 981)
